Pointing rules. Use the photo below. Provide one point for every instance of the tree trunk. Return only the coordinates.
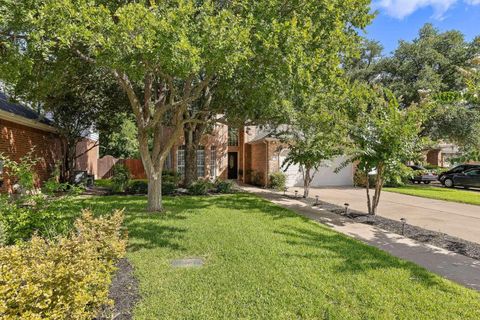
(190, 156)
(378, 188)
(369, 202)
(155, 192)
(193, 134)
(306, 182)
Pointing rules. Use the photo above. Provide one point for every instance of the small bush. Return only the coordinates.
(22, 218)
(22, 171)
(64, 279)
(171, 176)
(278, 180)
(223, 186)
(120, 178)
(168, 188)
(200, 187)
(138, 187)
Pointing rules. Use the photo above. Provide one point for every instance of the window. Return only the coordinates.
(232, 137)
(213, 161)
(473, 172)
(201, 161)
(181, 160)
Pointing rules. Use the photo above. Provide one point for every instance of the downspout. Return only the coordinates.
(266, 164)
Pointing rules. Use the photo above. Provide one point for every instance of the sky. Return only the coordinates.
(401, 19)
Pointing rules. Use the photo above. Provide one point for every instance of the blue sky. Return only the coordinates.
(401, 19)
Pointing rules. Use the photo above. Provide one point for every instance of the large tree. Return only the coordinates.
(167, 54)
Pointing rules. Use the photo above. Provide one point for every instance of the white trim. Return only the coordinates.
(11, 117)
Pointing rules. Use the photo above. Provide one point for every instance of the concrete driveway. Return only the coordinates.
(455, 219)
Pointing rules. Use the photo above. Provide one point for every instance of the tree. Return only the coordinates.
(383, 135)
(165, 55)
(315, 132)
(120, 143)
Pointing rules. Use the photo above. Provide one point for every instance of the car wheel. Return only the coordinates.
(448, 183)
(426, 182)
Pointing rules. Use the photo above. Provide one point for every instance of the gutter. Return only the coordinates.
(8, 116)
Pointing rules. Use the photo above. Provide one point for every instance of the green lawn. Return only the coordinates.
(431, 192)
(265, 262)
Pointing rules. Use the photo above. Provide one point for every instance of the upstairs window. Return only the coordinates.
(232, 137)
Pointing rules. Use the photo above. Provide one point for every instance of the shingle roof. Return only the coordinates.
(21, 110)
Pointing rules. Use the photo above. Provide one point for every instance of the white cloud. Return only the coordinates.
(402, 8)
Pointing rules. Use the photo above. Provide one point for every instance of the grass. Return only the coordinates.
(431, 192)
(266, 262)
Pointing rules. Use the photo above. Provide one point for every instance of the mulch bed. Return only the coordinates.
(438, 239)
(124, 293)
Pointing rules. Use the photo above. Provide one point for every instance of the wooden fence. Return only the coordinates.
(134, 166)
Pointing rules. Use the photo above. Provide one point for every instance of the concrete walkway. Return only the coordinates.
(455, 267)
(455, 219)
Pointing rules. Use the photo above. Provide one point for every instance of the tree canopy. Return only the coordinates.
(167, 54)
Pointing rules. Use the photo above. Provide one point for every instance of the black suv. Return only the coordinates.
(448, 175)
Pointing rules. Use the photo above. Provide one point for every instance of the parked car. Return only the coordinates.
(455, 170)
(467, 179)
(422, 175)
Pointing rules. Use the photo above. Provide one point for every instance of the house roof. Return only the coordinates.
(21, 110)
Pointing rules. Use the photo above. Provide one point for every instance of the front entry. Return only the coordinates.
(232, 165)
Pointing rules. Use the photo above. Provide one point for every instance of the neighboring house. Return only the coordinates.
(249, 154)
(442, 154)
(23, 130)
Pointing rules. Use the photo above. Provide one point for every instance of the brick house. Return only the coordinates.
(249, 155)
(23, 130)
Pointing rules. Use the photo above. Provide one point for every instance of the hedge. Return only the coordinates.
(65, 278)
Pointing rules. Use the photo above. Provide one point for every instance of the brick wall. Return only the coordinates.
(17, 140)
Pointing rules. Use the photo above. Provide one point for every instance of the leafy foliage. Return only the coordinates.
(277, 180)
(120, 178)
(167, 55)
(383, 136)
(22, 218)
(200, 187)
(66, 278)
(223, 186)
(23, 171)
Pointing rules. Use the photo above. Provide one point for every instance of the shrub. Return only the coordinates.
(138, 187)
(22, 171)
(278, 180)
(21, 219)
(120, 178)
(171, 176)
(168, 188)
(64, 279)
(223, 186)
(200, 187)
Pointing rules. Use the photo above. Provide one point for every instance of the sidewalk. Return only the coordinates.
(456, 219)
(455, 267)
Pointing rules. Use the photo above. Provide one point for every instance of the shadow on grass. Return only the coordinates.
(357, 257)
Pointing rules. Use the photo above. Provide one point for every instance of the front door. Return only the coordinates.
(232, 165)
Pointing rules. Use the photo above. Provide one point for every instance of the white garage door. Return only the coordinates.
(325, 176)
